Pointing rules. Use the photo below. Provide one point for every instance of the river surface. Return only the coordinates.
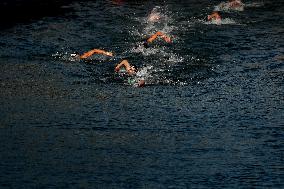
(210, 116)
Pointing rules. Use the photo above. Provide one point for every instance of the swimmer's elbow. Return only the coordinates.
(116, 69)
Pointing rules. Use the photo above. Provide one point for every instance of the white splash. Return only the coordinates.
(144, 72)
(157, 20)
(175, 58)
(224, 21)
(155, 15)
(226, 7)
(72, 57)
(144, 51)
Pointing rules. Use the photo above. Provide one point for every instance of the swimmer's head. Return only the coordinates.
(153, 17)
(214, 16)
(141, 83)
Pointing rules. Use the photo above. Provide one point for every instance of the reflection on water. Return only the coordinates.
(211, 115)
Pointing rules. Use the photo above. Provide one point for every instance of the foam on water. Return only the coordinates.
(174, 58)
(225, 6)
(224, 21)
(139, 48)
(66, 56)
(144, 72)
(157, 15)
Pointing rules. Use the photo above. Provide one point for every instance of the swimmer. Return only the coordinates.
(95, 51)
(153, 17)
(214, 17)
(131, 71)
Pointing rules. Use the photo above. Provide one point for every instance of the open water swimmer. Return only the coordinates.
(125, 68)
(214, 17)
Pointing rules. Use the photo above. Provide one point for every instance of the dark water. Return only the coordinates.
(211, 115)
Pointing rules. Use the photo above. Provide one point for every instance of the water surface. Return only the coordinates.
(210, 116)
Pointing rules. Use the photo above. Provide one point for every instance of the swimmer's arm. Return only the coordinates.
(212, 16)
(130, 69)
(209, 17)
(124, 63)
(153, 37)
(95, 51)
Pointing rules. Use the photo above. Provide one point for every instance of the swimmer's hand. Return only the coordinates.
(167, 39)
(116, 69)
(141, 83)
(108, 53)
(210, 17)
